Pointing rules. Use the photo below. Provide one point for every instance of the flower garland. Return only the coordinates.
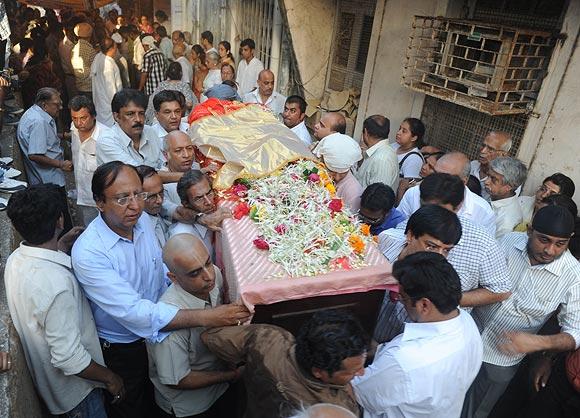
(301, 224)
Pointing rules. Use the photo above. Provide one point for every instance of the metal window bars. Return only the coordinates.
(491, 68)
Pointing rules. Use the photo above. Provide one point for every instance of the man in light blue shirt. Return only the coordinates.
(118, 262)
(40, 145)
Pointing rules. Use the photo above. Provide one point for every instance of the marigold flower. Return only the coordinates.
(357, 244)
(365, 230)
(331, 189)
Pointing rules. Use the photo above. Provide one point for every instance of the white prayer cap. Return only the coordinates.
(340, 152)
(117, 38)
(148, 40)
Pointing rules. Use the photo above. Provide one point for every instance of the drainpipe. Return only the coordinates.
(276, 43)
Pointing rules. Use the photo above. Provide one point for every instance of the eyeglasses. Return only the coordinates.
(370, 221)
(151, 197)
(210, 195)
(124, 201)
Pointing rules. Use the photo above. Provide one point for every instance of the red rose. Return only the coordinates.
(281, 229)
(314, 178)
(261, 244)
(240, 210)
(335, 205)
(240, 190)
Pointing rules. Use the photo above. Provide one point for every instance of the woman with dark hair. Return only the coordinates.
(225, 52)
(173, 82)
(408, 141)
(200, 70)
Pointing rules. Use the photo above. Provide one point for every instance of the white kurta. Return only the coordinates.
(106, 81)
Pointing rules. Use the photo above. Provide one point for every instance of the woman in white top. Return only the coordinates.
(409, 140)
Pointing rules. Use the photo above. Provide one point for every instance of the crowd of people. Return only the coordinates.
(127, 315)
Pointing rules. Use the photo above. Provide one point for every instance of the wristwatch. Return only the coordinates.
(197, 217)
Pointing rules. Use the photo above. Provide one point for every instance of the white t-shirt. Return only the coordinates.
(412, 164)
(186, 69)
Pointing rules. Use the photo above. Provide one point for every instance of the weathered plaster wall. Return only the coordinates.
(311, 26)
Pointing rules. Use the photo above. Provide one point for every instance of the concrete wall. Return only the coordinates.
(311, 27)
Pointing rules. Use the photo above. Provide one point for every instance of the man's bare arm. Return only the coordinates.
(220, 316)
(479, 297)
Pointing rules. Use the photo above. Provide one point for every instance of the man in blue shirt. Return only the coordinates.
(118, 262)
(377, 208)
(40, 145)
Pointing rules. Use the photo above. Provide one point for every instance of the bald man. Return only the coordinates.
(265, 94)
(473, 207)
(495, 144)
(188, 378)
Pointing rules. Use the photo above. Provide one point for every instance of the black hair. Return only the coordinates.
(378, 196)
(79, 102)
(189, 178)
(417, 129)
(207, 35)
(106, 45)
(565, 183)
(574, 243)
(340, 126)
(562, 200)
(474, 185)
(105, 175)
(180, 34)
(249, 43)
(161, 15)
(145, 171)
(174, 71)
(35, 211)
(161, 31)
(327, 338)
(200, 52)
(44, 95)
(443, 189)
(429, 275)
(377, 126)
(125, 96)
(436, 221)
(299, 101)
(228, 47)
(168, 96)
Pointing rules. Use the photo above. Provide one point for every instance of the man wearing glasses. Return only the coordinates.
(495, 144)
(118, 262)
(153, 185)
(43, 155)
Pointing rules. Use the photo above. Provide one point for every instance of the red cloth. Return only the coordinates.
(573, 369)
(213, 107)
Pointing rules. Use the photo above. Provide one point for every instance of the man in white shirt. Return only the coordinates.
(293, 117)
(249, 68)
(495, 144)
(50, 312)
(168, 105)
(186, 67)
(106, 81)
(165, 44)
(473, 207)
(153, 185)
(504, 176)
(380, 164)
(427, 370)
(86, 131)
(265, 94)
(207, 41)
(546, 280)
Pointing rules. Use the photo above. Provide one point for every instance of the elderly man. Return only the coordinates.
(153, 68)
(293, 117)
(178, 38)
(284, 373)
(153, 186)
(380, 164)
(106, 81)
(265, 94)
(473, 206)
(43, 295)
(85, 131)
(43, 155)
(168, 105)
(186, 67)
(329, 123)
(190, 380)
(504, 176)
(118, 262)
(339, 156)
(546, 280)
(377, 208)
(476, 258)
(82, 57)
(249, 67)
(404, 378)
(495, 144)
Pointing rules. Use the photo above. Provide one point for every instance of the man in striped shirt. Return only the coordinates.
(546, 277)
(153, 69)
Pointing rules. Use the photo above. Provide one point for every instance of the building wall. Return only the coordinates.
(311, 25)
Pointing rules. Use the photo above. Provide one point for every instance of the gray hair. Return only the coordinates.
(212, 56)
(465, 170)
(507, 146)
(45, 94)
(324, 410)
(514, 172)
(190, 178)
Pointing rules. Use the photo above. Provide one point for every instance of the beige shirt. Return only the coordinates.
(55, 325)
(380, 165)
(182, 351)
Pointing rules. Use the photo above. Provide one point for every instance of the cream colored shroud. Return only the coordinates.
(250, 142)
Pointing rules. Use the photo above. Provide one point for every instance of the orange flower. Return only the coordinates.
(357, 244)
(331, 189)
(365, 230)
